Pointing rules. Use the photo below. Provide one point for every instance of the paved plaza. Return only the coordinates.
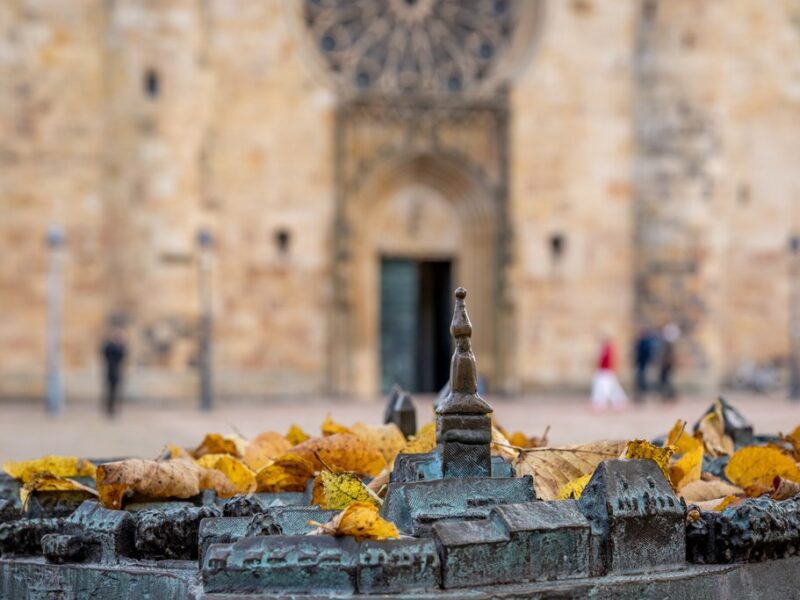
(142, 430)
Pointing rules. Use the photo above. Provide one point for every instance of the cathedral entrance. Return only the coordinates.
(415, 307)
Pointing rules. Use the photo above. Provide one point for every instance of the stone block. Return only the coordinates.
(556, 536)
(477, 552)
(172, 533)
(9, 489)
(53, 504)
(288, 520)
(637, 521)
(529, 541)
(110, 533)
(23, 537)
(466, 460)
(414, 507)
(220, 530)
(319, 565)
(427, 466)
(398, 566)
(756, 530)
(8, 511)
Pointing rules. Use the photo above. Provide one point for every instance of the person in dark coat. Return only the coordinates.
(668, 361)
(644, 350)
(113, 353)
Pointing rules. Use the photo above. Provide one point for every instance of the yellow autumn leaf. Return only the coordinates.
(331, 427)
(296, 436)
(423, 442)
(174, 451)
(712, 430)
(687, 468)
(362, 521)
(642, 449)
(342, 489)
(341, 452)
(264, 448)
(518, 439)
(61, 466)
(573, 489)
(387, 439)
(148, 478)
(553, 468)
(47, 482)
(242, 479)
(289, 473)
(755, 468)
(216, 443)
(682, 441)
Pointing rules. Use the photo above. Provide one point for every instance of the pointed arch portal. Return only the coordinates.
(421, 207)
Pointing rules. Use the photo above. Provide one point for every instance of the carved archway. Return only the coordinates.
(415, 206)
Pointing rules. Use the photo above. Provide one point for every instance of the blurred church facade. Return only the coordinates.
(582, 167)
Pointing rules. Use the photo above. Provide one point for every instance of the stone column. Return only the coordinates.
(677, 176)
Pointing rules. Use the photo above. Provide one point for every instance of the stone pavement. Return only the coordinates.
(142, 430)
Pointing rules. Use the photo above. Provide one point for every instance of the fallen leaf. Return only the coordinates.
(687, 468)
(423, 442)
(216, 443)
(331, 427)
(642, 449)
(211, 479)
(296, 436)
(539, 442)
(518, 439)
(701, 491)
(553, 468)
(149, 478)
(318, 493)
(264, 448)
(755, 468)
(342, 489)
(387, 439)
(341, 452)
(573, 489)
(362, 521)
(289, 473)
(501, 446)
(718, 504)
(47, 482)
(380, 481)
(174, 451)
(712, 429)
(60, 466)
(728, 501)
(783, 489)
(682, 441)
(241, 478)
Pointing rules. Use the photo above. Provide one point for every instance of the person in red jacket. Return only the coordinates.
(606, 389)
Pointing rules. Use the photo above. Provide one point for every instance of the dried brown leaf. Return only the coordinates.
(553, 468)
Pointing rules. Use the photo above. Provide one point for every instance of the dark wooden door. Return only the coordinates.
(414, 324)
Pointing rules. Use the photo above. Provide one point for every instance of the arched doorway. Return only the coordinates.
(419, 225)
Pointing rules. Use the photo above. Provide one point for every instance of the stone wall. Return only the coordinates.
(651, 163)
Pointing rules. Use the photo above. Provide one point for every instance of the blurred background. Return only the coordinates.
(260, 201)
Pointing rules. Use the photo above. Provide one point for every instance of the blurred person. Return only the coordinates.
(606, 389)
(113, 352)
(644, 353)
(667, 361)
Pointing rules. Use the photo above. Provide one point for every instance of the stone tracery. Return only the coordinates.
(413, 46)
